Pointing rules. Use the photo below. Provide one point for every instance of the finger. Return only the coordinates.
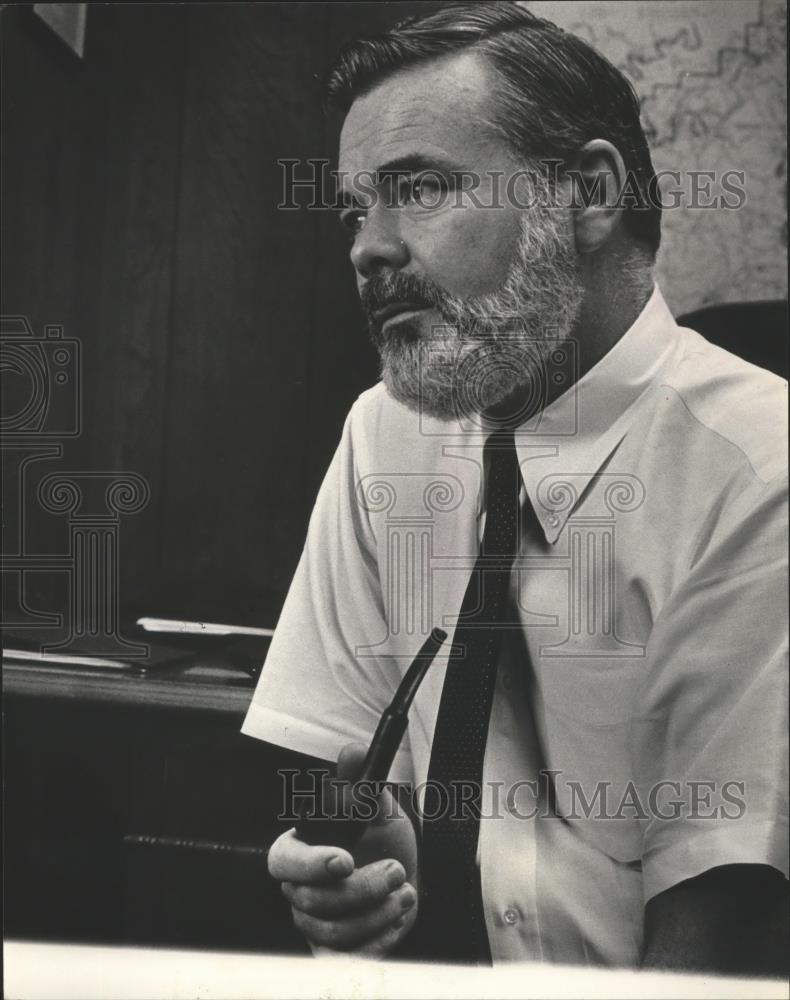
(291, 860)
(361, 891)
(381, 946)
(356, 932)
(388, 808)
(350, 761)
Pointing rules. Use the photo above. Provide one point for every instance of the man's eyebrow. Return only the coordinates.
(416, 163)
(412, 163)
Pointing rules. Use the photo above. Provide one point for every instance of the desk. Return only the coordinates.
(52, 972)
(136, 812)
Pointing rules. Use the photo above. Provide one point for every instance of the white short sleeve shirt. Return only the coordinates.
(638, 731)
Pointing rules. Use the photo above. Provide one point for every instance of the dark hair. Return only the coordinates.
(557, 91)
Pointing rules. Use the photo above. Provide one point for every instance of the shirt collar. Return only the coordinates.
(564, 446)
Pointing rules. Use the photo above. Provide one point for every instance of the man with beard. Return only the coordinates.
(587, 496)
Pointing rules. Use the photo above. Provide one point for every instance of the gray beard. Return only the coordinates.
(494, 348)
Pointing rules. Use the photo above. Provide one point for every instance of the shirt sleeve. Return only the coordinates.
(710, 734)
(323, 683)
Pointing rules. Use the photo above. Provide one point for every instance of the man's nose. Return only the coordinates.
(378, 244)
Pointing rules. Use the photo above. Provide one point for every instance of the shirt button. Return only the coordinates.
(553, 520)
(511, 916)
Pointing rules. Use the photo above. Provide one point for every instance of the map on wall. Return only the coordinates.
(711, 75)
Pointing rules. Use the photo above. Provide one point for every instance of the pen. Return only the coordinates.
(318, 828)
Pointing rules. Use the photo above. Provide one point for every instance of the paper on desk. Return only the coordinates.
(172, 625)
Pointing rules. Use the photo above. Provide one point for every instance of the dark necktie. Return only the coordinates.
(451, 925)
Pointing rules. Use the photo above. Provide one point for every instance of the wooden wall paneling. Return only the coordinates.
(90, 173)
(243, 309)
(50, 113)
(54, 114)
(145, 69)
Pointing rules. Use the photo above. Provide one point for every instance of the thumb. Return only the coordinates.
(350, 761)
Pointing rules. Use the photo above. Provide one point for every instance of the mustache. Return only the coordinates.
(382, 289)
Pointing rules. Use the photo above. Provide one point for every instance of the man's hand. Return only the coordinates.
(365, 903)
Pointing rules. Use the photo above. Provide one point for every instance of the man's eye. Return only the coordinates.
(353, 222)
(424, 190)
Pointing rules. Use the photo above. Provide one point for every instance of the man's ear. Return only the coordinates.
(597, 178)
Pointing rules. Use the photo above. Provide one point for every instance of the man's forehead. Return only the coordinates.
(438, 107)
